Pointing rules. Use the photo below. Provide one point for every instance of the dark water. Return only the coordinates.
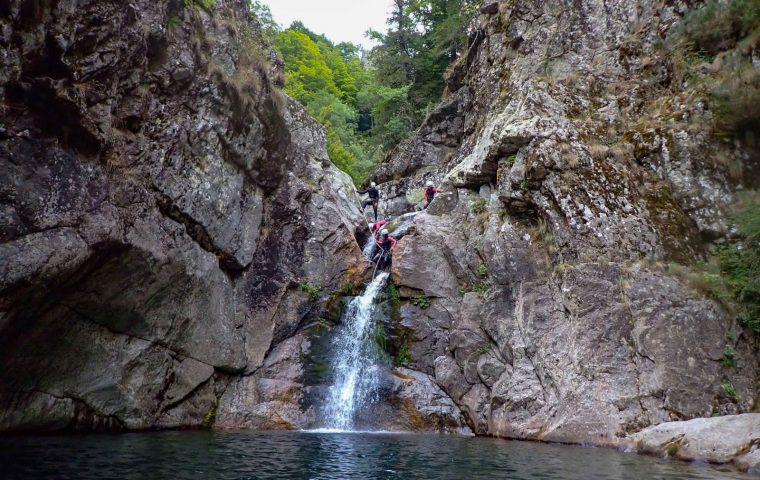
(285, 455)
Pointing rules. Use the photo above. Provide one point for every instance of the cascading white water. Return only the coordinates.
(369, 248)
(356, 365)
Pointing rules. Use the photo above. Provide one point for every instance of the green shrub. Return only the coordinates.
(207, 4)
(736, 101)
(483, 270)
(728, 27)
(478, 206)
(484, 349)
(729, 356)
(481, 289)
(311, 290)
(403, 357)
(719, 25)
(740, 268)
(393, 296)
(730, 390)
(421, 301)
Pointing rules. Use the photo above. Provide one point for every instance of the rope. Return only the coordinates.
(379, 257)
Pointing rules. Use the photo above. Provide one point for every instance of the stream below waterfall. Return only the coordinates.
(303, 455)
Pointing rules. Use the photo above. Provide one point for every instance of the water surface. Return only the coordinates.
(304, 455)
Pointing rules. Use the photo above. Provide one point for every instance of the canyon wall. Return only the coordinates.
(161, 204)
(575, 166)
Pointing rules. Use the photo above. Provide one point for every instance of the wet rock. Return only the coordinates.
(423, 406)
(729, 439)
(547, 242)
(272, 398)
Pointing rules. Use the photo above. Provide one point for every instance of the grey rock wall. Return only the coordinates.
(161, 202)
(573, 166)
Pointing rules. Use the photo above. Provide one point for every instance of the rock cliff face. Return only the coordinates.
(161, 203)
(573, 164)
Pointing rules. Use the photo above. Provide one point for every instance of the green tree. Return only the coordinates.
(369, 110)
(306, 70)
(269, 28)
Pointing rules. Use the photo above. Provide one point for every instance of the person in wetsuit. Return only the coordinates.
(430, 192)
(387, 244)
(372, 199)
(377, 226)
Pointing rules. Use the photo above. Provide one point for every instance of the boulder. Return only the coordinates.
(721, 440)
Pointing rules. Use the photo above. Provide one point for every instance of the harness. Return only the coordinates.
(429, 194)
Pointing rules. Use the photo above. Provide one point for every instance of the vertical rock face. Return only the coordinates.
(572, 165)
(161, 203)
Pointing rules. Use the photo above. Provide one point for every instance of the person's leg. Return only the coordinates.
(374, 207)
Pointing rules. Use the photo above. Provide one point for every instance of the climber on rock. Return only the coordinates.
(387, 244)
(430, 192)
(378, 225)
(373, 199)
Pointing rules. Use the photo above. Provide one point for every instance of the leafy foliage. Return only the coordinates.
(393, 295)
(403, 357)
(483, 270)
(311, 290)
(723, 32)
(730, 390)
(740, 267)
(729, 356)
(719, 25)
(478, 206)
(422, 301)
(369, 103)
(207, 4)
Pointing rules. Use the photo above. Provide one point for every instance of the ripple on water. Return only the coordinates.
(322, 455)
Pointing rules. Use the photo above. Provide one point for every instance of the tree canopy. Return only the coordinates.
(369, 102)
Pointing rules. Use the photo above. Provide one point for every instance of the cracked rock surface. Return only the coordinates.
(564, 192)
(161, 202)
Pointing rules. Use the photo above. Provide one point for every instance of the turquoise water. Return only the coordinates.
(302, 455)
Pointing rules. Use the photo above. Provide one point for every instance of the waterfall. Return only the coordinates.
(369, 248)
(355, 365)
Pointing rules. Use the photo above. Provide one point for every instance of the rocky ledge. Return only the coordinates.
(731, 439)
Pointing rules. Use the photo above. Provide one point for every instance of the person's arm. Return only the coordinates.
(393, 242)
(362, 192)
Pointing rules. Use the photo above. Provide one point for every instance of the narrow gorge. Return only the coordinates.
(178, 251)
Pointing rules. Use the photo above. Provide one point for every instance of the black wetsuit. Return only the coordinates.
(386, 244)
(429, 195)
(374, 198)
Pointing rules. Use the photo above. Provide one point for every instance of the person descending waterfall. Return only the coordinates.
(430, 192)
(378, 225)
(373, 199)
(387, 244)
